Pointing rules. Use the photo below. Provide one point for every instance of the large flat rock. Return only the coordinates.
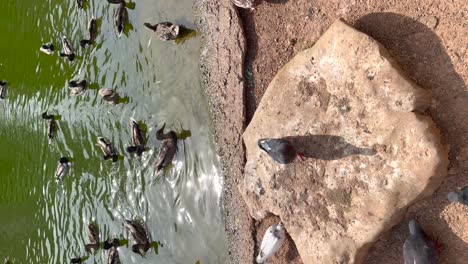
(351, 111)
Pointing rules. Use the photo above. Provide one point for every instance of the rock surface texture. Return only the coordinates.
(349, 109)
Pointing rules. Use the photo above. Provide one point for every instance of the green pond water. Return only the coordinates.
(42, 221)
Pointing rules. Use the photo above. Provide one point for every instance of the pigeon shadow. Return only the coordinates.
(423, 56)
(326, 147)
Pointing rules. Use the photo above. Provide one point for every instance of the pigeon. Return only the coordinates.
(460, 196)
(272, 241)
(418, 248)
(281, 150)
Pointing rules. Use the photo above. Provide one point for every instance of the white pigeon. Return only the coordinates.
(272, 241)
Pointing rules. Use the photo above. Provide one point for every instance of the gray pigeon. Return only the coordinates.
(280, 149)
(418, 248)
(460, 196)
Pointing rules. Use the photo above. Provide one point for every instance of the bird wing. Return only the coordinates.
(270, 244)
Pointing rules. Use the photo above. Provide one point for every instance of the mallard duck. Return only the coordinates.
(3, 89)
(280, 149)
(109, 95)
(164, 30)
(80, 3)
(62, 168)
(418, 248)
(459, 196)
(47, 48)
(51, 125)
(68, 50)
(138, 138)
(93, 236)
(121, 18)
(272, 241)
(113, 257)
(168, 148)
(247, 4)
(78, 88)
(108, 149)
(92, 28)
(139, 234)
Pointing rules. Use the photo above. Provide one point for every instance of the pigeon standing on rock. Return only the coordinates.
(281, 150)
(460, 196)
(272, 241)
(418, 248)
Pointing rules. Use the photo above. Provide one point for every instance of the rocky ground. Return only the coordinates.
(429, 40)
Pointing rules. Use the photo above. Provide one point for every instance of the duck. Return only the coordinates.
(92, 29)
(78, 88)
(63, 168)
(247, 4)
(68, 50)
(108, 149)
(418, 248)
(272, 241)
(47, 48)
(121, 18)
(138, 138)
(459, 196)
(168, 148)
(113, 257)
(165, 30)
(51, 125)
(3, 89)
(93, 236)
(279, 149)
(139, 234)
(80, 4)
(109, 95)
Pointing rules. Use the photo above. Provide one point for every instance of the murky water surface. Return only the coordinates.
(45, 222)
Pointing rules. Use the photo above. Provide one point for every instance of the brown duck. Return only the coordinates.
(168, 148)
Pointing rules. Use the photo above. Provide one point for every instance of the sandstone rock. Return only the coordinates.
(348, 107)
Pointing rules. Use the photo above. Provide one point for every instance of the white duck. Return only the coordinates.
(272, 241)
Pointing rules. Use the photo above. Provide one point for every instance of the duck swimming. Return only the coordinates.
(62, 168)
(51, 125)
(109, 95)
(93, 236)
(68, 50)
(92, 28)
(3, 89)
(138, 138)
(47, 48)
(165, 30)
(272, 241)
(168, 148)
(139, 234)
(121, 18)
(247, 4)
(78, 88)
(78, 259)
(280, 149)
(108, 149)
